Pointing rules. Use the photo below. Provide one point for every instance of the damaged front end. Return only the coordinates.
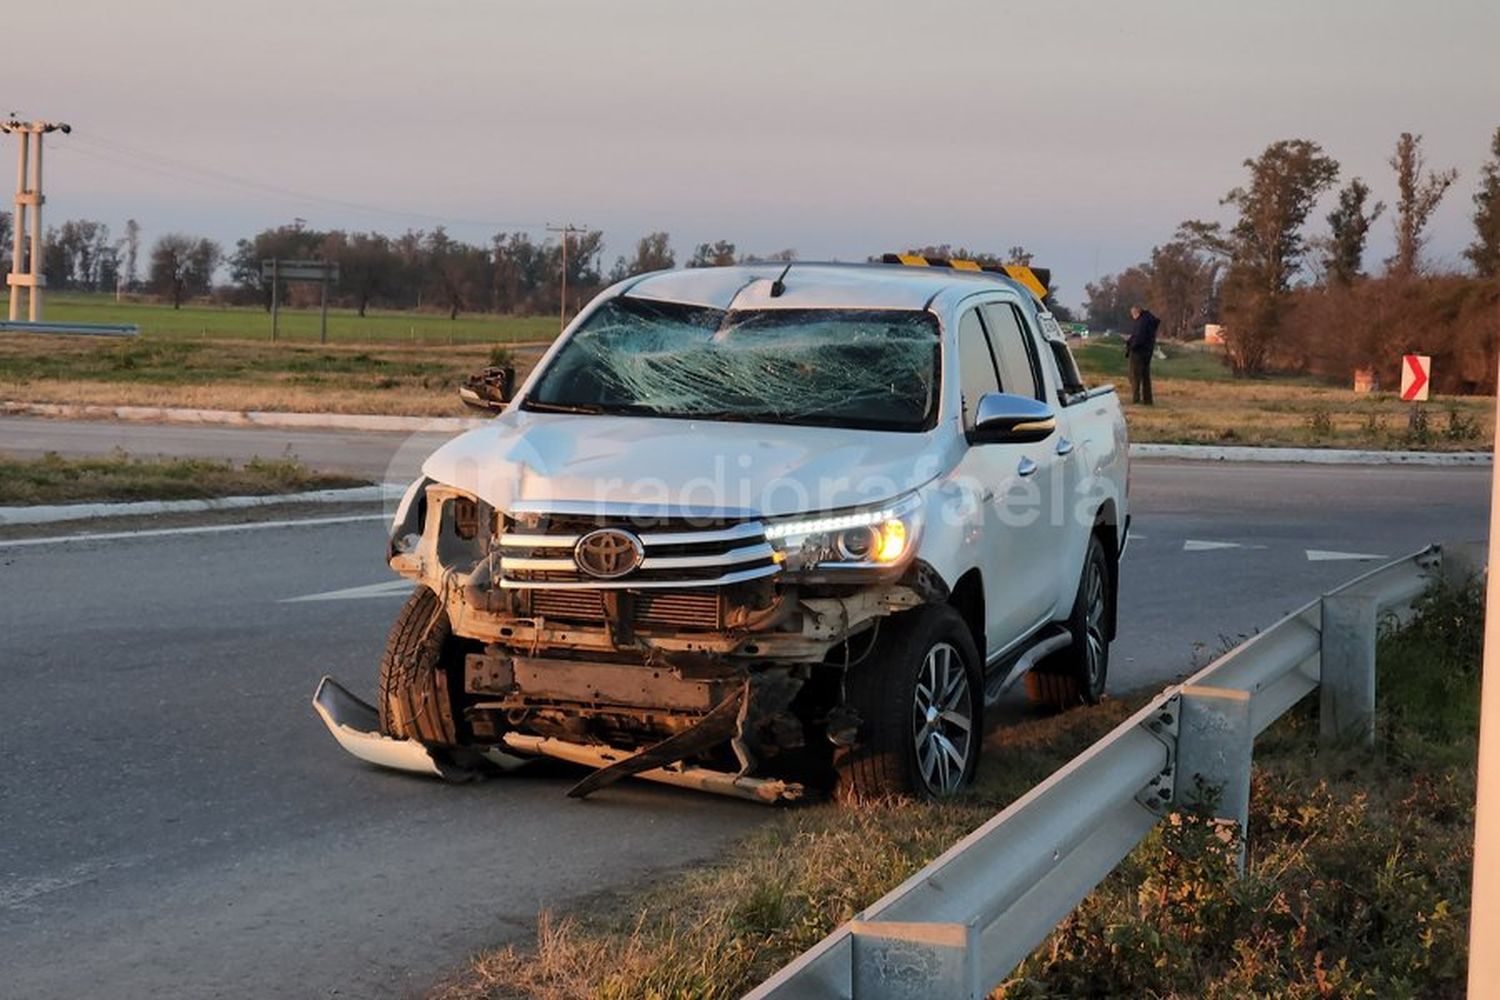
(706, 652)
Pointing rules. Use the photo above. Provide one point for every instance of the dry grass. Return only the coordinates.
(1252, 412)
(715, 930)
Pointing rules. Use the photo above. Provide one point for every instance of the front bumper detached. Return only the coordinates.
(355, 724)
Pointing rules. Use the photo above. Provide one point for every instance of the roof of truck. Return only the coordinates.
(813, 285)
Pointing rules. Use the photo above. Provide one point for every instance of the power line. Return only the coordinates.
(150, 162)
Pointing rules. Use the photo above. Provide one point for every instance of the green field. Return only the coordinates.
(297, 325)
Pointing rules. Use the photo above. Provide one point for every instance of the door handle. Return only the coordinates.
(1026, 468)
(1064, 446)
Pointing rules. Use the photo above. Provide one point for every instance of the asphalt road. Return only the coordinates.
(174, 822)
(378, 456)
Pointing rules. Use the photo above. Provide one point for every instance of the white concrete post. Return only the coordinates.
(18, 242)
(38, 280)
(1484, 915)
(1215, 746)
(1346, 689)
(915, 961)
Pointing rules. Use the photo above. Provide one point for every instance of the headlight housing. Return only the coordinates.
(877, 537)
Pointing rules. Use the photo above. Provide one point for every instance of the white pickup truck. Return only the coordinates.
(756, 530)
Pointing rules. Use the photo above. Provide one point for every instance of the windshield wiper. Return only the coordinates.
(532, 404)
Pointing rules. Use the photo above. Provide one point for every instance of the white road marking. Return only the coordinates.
(1319, 555)
(199, 529)
(386, 588)
(1196, 546)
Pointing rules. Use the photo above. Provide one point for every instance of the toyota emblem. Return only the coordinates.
(608, 553)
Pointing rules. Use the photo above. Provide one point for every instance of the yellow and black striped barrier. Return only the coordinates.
(1035, 279)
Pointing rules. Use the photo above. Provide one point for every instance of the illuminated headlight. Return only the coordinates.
(867, 538)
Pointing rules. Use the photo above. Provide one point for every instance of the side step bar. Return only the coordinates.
(1002, 682)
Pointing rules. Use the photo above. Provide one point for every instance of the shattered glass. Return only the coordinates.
(839, 367)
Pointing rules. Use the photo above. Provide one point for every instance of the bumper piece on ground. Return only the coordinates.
(356, 725)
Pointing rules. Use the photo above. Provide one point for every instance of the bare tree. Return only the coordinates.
(1417, 199)
(182, 266)
(653, 252)
(132, 253)
(720, 254)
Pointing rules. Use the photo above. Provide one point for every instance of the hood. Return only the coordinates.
(582, 463)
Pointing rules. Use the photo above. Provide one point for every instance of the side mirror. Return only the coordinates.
(1002, 418)
(490, 390)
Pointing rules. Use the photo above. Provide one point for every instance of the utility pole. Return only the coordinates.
(566, 230)
(26, 272)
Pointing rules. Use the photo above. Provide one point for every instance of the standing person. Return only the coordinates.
(1140, 347)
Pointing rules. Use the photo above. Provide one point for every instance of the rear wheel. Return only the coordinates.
(920, 706)
(421, 674)
(1076, 675)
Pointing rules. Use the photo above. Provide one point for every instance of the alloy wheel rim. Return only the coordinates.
(1094, 623)
(942, 720)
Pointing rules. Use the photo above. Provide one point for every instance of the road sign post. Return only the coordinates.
(323, 272)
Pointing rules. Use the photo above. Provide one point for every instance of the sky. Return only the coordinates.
(1084, 131)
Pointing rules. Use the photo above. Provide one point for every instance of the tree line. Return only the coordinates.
(416, 269)
(1289, 299)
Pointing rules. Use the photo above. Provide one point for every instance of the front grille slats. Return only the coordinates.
(539, 553)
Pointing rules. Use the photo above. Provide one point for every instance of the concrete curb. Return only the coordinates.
(55, 513)
(453, 425)
(243, 418)
(1309, 456)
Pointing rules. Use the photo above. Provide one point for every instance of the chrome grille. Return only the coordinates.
(675, 554)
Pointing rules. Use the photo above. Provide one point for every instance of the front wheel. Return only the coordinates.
(1076, 675)
(920, 705)
(421, 674)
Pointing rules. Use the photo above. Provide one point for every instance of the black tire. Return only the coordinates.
(421, 675)
(896, 753)
(1077, 675)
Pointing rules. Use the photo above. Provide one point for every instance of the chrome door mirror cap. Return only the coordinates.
(1005, 418)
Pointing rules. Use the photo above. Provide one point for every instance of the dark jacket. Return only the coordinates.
(1142, 339)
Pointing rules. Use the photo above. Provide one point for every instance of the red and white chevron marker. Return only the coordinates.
(1416, 371)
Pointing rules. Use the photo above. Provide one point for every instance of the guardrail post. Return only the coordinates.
(914, 961)
(1347, 686)
(1215, 744)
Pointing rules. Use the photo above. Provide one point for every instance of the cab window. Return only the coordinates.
(1013, 350)
(976, 365)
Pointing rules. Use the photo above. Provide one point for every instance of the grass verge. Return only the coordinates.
(345, 326)
(119, 477)
(223, 374)
(1198, 402)
(1357, 883)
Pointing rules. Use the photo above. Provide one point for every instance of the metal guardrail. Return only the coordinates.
(959, 926)
(72, 329)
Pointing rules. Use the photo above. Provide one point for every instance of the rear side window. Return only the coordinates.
(1067, 368)
(976, 366)
(1019, 374)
